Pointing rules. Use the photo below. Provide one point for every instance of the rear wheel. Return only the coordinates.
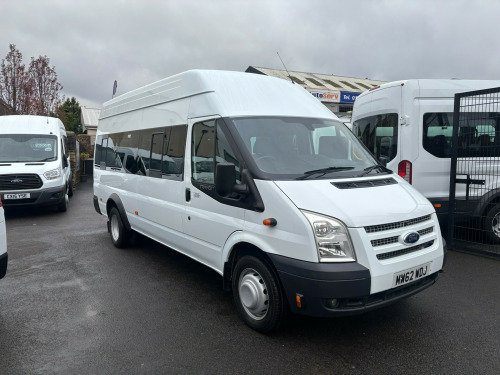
(491, 224)
(257, 294)
(119, 234)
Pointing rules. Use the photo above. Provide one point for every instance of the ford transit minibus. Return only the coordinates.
(410, 123)
(253, 177)
(34, 166)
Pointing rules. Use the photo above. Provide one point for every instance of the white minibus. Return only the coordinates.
(3, 243)
(253, 177)
(409, 124)
(34, 166)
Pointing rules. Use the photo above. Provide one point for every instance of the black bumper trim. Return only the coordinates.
(44, 197)
(96, 205)
(348, 283)
(3, 264)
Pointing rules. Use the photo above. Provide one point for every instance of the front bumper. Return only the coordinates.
(40, 197)
(3, 264)
(319, 284)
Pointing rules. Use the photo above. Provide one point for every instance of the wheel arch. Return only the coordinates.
(115, 201)
(239, 249)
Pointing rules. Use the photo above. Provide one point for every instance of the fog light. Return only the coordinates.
(331, 303)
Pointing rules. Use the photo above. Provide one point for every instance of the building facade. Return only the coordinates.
(338, 93)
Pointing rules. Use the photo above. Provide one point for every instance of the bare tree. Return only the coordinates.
(14, 81)
(45, 86)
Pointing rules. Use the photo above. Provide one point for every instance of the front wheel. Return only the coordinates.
(491, 224)
(119, 234)
(70, 189)
(63, 206)
(257, 294)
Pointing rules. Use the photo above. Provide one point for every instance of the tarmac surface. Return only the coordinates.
(71, 303)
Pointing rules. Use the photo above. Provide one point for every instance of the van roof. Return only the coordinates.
(441, 88)
(27, 124)
(197, 93)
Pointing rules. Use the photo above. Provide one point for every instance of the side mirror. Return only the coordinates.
(65, 161)
(383, 160)
(225, 180)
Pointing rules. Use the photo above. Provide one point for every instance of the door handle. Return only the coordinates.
(188, 195)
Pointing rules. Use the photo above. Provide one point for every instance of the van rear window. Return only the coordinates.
(379, 133)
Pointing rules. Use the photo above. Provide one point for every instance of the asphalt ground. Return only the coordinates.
(72, 303)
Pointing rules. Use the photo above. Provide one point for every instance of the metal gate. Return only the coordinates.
(474, 209)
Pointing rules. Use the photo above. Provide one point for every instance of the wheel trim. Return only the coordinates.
(253, 294)
(495, 225)
(115, 228)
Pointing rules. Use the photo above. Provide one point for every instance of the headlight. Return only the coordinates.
(54, 173)
(332, 239)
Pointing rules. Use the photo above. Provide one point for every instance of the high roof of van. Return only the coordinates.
(27, 124)
(428, 88)
(197, 93)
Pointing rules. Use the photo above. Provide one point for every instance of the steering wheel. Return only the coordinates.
(263, 157)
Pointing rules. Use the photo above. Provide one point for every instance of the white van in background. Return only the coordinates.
(410, 123)
(34, 166)
(255, 178)
(3, 243)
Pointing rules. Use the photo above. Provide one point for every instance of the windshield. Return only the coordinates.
(284, 147)
(27, 148)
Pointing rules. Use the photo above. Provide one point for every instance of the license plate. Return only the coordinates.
(411, 274)
(16, 196)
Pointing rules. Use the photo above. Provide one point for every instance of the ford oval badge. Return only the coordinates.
(411, 238)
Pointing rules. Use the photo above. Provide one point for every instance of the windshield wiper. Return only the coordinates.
(323, 171)
(373, 167)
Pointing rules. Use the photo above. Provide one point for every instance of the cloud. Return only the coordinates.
(92, 43)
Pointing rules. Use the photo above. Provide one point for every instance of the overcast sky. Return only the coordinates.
(92, 43)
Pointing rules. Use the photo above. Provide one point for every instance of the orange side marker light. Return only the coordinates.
(269, 222)
(298, 300)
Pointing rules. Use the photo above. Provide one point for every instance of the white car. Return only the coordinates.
(3, 243)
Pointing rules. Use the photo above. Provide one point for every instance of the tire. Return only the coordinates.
(257, 294)
(63, 206)
(120, 236)
(491, 224)
(70, 189)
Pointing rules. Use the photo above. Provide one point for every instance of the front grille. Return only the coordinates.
(399, 224)
(364, 183)
(397, 253)
(23, 181)
(394, 239)
(385, 241)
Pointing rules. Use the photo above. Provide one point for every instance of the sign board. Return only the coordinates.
(329, 96)
(348, 97)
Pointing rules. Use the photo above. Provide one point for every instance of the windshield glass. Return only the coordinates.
(285, 147)
(27, 148)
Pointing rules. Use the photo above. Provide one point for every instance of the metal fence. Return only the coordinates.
(474, 210)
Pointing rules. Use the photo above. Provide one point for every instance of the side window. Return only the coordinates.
(143, 152)
(379, 134)
(202, 152)
(158, 141)
(437, 134)
(112, 157)
(173, 158)
(98, 147)
(127, 151)
(210, 147)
